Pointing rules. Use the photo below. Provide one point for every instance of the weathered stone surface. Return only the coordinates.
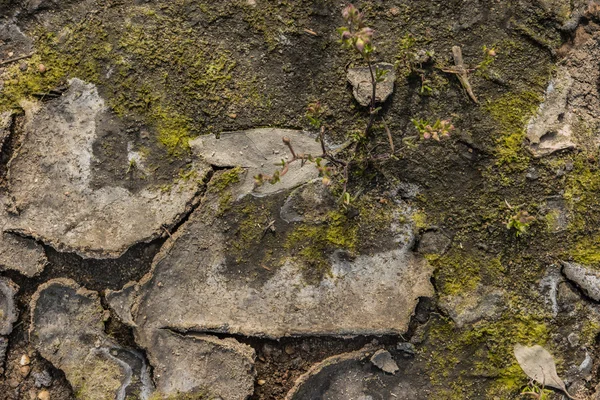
(258, 150)
(13, 40)
(212, 277)
(308, 202)
(51, 186)
(5, 123)
(468, 307)
(349, 376)
(585, 278)
(20, 254)
(434, 242)
(8, 309)
(383, 360)
(568, 116)
(201, 364)
(120, 302)
(360, 79)
(550, 130)
(67, 328)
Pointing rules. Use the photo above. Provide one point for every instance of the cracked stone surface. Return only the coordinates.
(551, 129)
(567, 118)
(586, 279)
(96, 366)
(258, 150)
(201, 364)
(352, 376)
(197, 283)
(360, 79)
(8, 315)
(20, 254)
(51, 190)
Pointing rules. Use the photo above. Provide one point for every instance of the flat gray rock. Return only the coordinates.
(258, 150)
(585, 278)
(8, 309)
(351, 376)
(226, 271)
(52, 191)
(383, 360)
(67, 329)
(550, 130)
(360, 79)
(201, 365)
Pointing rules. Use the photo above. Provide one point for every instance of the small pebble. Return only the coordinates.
(23, 67)
(289, 350)
(261, 382)
(24, 360)
(44, 395)
(42, 68)
(24, 370)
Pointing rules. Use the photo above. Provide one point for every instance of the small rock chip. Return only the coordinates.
(383, 360)
(42, 379)
(407, 348)
(360, 79)
(42, 68)
(587, 279)
(23, 67)
(24, 360)
(261, 382)
(289, 350)
(44, 395)
(24, 370)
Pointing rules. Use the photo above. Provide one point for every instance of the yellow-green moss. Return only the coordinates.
(225, 179)
(512, 111)
(420, 220)
(459, 272)
(485, 349)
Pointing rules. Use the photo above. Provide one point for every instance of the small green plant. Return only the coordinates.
(440, 129)
(314, 114)
(536, 391)
(520, 222)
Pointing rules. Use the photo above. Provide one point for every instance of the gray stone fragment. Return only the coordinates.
(347, 376)
(468, 307)
(5, 123)
(67, 329)
(42, 379)
(586, 279)
(8, 309)
(407, 348)
(434, 242)
(217, 368)
(51, 190)
(360, 79)
(120, 302)
(258, 150)
(20, 254)
(550, 130)
(3, 349)
(383, 360)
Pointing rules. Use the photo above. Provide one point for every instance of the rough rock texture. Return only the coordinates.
(568, 116)
(201, 364)
(383, 360)
(51, 190)
(120, 302)
(465, 308)
(586, 279)
(203, 282)
(8, 309)
(258, 150)
(360, 79)
(8, 315)
(551, 129)
(351, 376)
(96, 366)
(20, 254)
